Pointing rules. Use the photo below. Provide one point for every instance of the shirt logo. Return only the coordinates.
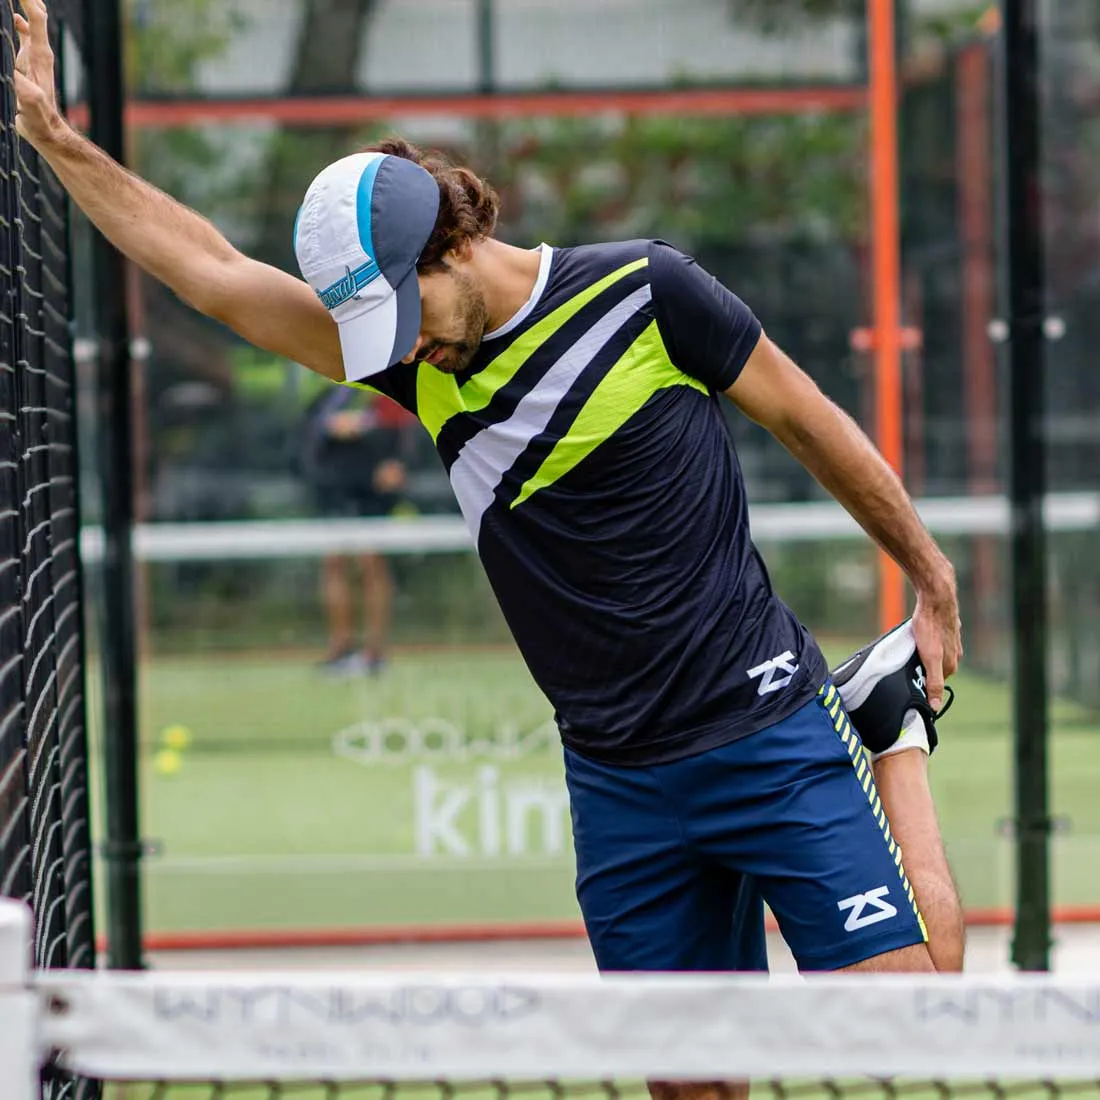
(859, 903)
(769, 673)
(347, 288)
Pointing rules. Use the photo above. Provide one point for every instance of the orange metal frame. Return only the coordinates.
(352, 110)
(974, 154)
(886, 274)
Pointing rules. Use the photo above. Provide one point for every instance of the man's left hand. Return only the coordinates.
(938, 632)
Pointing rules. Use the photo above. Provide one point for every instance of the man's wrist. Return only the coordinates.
(63, 138)
(55, 139)
(935, 584)
(937, 597)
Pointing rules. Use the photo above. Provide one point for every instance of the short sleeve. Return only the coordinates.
(398, 384)
(708, 331)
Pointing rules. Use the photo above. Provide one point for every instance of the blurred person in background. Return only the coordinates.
(351, 442)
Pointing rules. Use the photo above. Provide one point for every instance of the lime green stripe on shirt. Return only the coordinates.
(479, 390)
(644, 370)
(437, 398)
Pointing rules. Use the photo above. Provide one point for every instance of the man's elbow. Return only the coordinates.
(798, 421)
(213, 290)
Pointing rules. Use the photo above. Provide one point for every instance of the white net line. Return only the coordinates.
(268, 539)
(375, 1026)
(416, 1026)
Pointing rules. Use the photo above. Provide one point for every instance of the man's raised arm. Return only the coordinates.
(173, 243)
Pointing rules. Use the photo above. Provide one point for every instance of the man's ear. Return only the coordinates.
(462, 253)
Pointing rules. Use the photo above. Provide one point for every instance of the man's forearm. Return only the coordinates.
(266, 306)
(171, 242)
(834, 449)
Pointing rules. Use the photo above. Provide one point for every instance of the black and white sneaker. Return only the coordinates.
(883, 690)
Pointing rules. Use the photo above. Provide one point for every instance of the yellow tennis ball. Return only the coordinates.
(176, 737)
(167, 762)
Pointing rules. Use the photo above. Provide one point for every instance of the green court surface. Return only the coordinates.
(433, 794)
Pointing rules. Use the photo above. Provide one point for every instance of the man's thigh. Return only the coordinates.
(795, 807)
(649, 902)
(905, 960)
(902, 781)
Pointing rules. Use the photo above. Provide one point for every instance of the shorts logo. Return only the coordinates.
(769, 671)
(859, 903)
(918, 680)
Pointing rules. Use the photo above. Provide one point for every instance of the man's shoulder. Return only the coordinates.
(664, 263)
(588, 263)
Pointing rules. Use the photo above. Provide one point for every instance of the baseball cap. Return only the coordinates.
(359, 234)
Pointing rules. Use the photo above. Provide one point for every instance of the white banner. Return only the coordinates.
(247, 1026)
(18, 1007)
(18, 1048)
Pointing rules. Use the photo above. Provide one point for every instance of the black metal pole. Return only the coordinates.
(487, 132)
(122, 847)
(486, 46)
(1026, 301)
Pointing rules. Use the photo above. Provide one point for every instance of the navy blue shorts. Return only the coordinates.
(675, 861)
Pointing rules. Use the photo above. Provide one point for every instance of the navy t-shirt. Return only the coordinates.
(596, 473)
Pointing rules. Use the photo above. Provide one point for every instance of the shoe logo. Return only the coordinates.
(769, 671)
(918, 680)
(859, 903)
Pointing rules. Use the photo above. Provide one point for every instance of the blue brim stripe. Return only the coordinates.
(364, 203)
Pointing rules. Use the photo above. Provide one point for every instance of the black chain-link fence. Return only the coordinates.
(45, 844)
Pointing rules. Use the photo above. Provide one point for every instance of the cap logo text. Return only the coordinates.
(348, 287)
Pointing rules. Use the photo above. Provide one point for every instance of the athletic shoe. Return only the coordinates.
(350, 662)
(374, 663)
(883, 689)
(353, 663)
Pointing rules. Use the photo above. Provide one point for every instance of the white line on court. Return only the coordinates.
(334, 864)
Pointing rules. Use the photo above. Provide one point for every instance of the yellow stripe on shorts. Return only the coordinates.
(865, 777)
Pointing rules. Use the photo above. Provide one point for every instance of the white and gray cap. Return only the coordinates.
(362, 227)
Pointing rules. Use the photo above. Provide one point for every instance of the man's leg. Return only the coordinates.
(831, 865)
(649, 902)
(902, 781)
(699, 1090)
(795, 807)
(905, 960)
(377, 606)
(882, 685)
(332, 503)
(336, 597)
(750, 955)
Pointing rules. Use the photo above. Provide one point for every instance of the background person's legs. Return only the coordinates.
(336, 598)
(377, 607)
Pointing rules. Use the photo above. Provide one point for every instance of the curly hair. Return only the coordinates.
(468, 205)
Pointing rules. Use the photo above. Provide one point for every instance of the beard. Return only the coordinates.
(453, 356)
